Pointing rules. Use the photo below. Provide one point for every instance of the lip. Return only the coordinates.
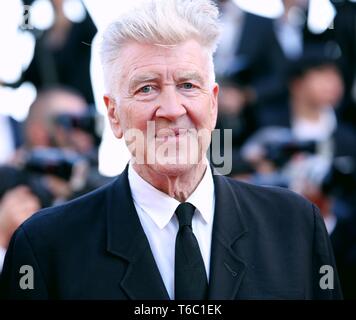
(171, 133)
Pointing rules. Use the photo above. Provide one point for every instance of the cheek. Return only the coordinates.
(337, 86)
(201, 112)
(320, 89)
(327, 91)
(316, 88)
(136, 115)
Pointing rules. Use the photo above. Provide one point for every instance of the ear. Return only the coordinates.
(113, 116)
(214, 105)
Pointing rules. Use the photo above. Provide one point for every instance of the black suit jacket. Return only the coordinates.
(268, 243)
(267, 66)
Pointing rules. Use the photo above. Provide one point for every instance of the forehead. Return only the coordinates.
(185, 58)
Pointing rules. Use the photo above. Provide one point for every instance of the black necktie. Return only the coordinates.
(190, 276)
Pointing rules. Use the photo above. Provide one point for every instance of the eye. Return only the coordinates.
(145, 89)
(187, 85)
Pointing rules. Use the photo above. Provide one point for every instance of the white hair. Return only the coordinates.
(162, 22)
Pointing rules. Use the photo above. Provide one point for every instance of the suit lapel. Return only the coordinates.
(126, 239)
(227, 269)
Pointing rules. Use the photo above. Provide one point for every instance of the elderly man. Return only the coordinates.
(167, 228)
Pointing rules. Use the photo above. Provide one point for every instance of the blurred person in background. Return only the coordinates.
(232, 18)
(251, 63)
(345, 35)
(60, 120)
(40, 128)
(313, 153)
(57, 162)
(62, 53)
(315, 91)
(326, 185)
(317, 88)
(253, 60)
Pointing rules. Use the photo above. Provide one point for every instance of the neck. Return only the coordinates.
(179, 187)
(304, 109)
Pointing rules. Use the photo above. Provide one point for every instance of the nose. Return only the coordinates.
(170, 104)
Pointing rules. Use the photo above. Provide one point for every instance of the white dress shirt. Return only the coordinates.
(156, 209)
(290, 38)
(319, 130)
(7, 145)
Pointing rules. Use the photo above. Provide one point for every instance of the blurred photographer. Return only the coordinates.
(315, 91)
(331, 186)
(64, 131)
(313, 154)
(58, 161)
(40, 128)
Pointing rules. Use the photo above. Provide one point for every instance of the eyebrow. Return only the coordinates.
(180, 76)
(142, 78)
(189, 75)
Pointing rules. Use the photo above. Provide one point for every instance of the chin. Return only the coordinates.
(172, 169)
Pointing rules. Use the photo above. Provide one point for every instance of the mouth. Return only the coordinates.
(171, 133)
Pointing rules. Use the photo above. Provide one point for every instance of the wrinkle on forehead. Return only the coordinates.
(170, 77)
(162, 49)
(166, 46)
(189, 56)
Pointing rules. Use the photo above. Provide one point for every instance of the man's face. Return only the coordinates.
(164, 93)
(323, 86)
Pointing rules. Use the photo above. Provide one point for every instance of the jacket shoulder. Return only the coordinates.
(265, 190)
(70, 217)
(266, 202)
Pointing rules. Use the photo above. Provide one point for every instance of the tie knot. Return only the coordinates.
(185, 212)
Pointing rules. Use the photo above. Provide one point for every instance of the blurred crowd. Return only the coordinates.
(52, 156)
(288, 94)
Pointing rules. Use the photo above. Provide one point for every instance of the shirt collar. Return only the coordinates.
(203, 196)
(162, 208)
